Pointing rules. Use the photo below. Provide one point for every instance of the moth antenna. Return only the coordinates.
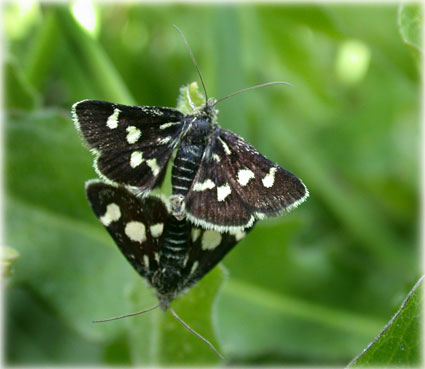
(193, 60)
(126, 315)
(195, 333)
(252, 88)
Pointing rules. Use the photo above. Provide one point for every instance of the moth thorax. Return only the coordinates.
(199, 131)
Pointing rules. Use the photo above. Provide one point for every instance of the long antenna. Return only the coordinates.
(193, 60)
(126, 315)
(252, 88)
(195, 333)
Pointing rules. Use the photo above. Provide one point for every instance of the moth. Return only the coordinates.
(170, 254)
(219, 181)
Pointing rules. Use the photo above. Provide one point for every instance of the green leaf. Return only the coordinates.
(159, 339)
(410, 24)
(399, 343)
(189, 94)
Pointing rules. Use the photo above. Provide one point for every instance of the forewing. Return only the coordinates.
(134, 223)
(265, 187)
(212, 203)
(133, 144)
(252, 186)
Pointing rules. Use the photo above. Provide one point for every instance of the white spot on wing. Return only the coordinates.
(136, 159)
(194, 267)
(164, 140)
(207, 185)
(133, 134)
(223, 192)
(156, 229)
(216, 158)
(167, 125)
(268, 180)
(195, 234)
(185, 260)
(112, 214)
(210, 240)
(112, 121)
(238, 234)
(225, 147)
(156, 255)
(154, 166)
(244, 176)
(135, 231)
(146, 260)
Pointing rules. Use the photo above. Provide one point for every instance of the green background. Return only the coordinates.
(313, 287)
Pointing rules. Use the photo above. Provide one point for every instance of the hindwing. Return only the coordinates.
(136, 224)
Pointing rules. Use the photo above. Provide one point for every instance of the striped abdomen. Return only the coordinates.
(185, 167)
(172, 256)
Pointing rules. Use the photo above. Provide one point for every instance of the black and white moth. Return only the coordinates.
(219, 181)
(171, 254)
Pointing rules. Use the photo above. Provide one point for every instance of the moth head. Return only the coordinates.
(208, 112)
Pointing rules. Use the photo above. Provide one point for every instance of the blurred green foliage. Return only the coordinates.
(8, 256)
(313, 287)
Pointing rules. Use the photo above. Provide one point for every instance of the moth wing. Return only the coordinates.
(264, 186)
(248, 186)
(211, 203)
(135, 223)
(133, 144)
(207, 249)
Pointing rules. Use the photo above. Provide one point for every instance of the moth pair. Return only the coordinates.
(221, 185)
